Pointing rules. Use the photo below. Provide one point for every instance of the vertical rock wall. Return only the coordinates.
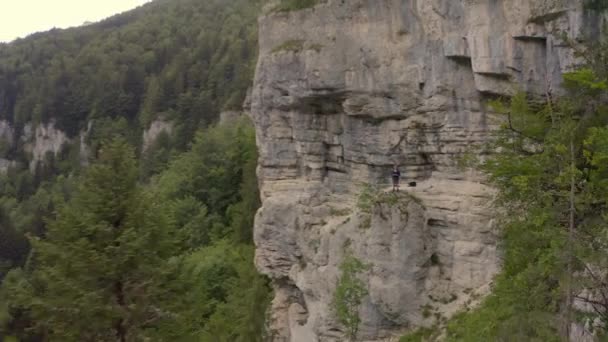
(348, 88)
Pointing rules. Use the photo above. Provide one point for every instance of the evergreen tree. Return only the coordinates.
(550, 170)
(108, 267)
(349, 294)
(182, 61)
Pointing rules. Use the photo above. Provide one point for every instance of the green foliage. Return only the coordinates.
(365, 201)
(468, 159)
(370, 196)
(585, 78)
(333, 211)
(113, 228)
(290, 46)
(530, 172)
(421, 335)
(525, 295)
(294, 5)
(183, 61)
(146, 227)
(242, 214)
(212, 169)
(23, 212)
(106, 129)
(390, 198)
(186, 57)
(349, 294)
(365, 204)
(235, 297)
(596, 5)
(156, 157)
(550, 165)
(427, 310)
(181, 247)
(211, 195)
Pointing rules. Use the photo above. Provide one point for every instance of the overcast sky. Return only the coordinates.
(18, 18)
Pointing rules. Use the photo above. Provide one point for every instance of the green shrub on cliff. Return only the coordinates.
(349, 294)
(294, 5)
(421, 335)
(290, 45)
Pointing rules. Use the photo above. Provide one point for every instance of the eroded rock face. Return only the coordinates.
(157, 127)
(41, 140)
(347, 89)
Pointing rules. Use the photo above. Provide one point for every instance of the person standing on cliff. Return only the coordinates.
(396, 176)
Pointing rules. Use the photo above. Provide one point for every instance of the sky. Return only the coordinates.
(19, 18)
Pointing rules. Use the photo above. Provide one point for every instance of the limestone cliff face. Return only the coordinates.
(37, 141)
(156, 128)
(40, 140)
(348, 88)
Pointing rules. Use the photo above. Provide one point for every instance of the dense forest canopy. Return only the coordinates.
(176, 59)
(167, 229)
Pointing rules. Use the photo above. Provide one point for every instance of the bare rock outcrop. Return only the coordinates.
(156, 128)
(41, 140)
(345, 90)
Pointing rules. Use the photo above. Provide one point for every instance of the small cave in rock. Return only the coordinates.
(421, 168)
(421, 85)
(435, 259)
(533, 39)
(322, 104)
(462, 60)
(334, 169)
(437, 223)
(497, 75)
(426, 158)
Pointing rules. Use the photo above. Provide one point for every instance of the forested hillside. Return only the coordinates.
(144, 243)
(180, 59)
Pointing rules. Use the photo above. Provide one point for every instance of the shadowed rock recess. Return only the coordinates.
(348, 88)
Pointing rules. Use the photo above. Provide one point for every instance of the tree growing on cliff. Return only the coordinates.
(108, 269)
(551, 175)
(349, 294)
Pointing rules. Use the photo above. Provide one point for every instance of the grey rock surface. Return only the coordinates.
(345, 90)
(156, 128)
(42, 140)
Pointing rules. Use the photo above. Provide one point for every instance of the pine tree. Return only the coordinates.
(108, 268)
(549, 167)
